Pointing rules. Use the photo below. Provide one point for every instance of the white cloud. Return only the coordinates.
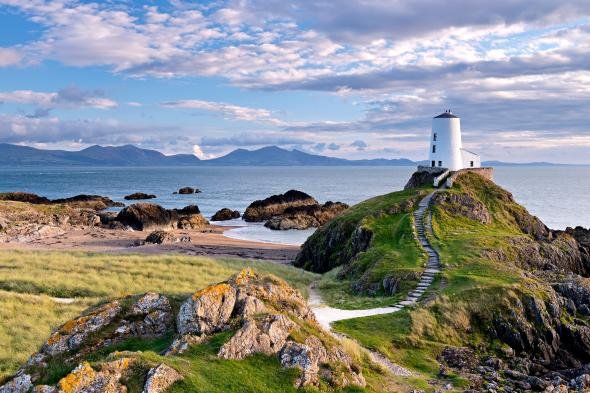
(9, 57)
(71, 97)
(228, 111)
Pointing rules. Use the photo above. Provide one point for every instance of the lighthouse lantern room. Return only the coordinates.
(446, 148)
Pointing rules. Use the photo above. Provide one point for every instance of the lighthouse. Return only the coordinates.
(446, 148)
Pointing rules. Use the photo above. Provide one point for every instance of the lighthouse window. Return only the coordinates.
(433, 163)
(434, 138)
(440, 163)
(471, 164)
(434, 148)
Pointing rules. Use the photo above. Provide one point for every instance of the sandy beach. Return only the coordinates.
(207, 242)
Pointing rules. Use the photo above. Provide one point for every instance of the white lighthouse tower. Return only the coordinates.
(446, 148)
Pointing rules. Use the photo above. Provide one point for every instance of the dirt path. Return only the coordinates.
(423, 223)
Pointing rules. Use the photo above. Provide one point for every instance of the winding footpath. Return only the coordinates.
(423, 224)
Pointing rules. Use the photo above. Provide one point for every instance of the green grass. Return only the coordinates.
(28, 279)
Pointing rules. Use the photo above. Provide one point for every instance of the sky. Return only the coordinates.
(351, 79)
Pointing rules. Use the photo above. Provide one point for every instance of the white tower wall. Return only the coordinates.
(445, 143)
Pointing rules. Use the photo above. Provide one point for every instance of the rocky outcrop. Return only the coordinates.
(262, 312)
(160, 378)
(304, 217)
(188, 190)
(94, 202)
(147, 216)
(225, 214)
(164, 237)
(192, 221)
(463, 205)
(262, 210)
(27, 197)
(423, 178)
(139, 196)
(188, 210)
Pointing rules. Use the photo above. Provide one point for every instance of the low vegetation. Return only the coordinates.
(29, 280)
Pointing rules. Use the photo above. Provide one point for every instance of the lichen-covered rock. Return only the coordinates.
(150, 316)
(267, 336)
(193, 221)
(315, 361)
(160, 378)
(225, 214)
(208, 310)
(308, 216)
(21, 383)
(84, 379)
(262, 210)
(71, 335)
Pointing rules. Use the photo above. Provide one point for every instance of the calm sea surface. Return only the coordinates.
(558, 195)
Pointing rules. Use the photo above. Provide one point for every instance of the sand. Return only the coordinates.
(208, 242)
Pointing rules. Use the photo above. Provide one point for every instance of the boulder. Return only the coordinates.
(21, 383)
(304, 217)
(95, 202)
(71, 335)
(160, 378)
(150, 316)
(161, 237)
(84, 379)
(207, 311)
(147, 216)
(138, 196)
(423, 178)
(265, 209)
(192, 221)
(225, 214)
(188, 190)
(267, 336)
(187, 210)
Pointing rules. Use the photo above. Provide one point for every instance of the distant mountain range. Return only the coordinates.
(129, 155)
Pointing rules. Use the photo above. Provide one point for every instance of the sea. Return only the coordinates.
(558, 195)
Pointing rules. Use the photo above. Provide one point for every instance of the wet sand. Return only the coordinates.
(208, 242)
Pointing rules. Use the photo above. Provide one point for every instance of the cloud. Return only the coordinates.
(360, 145)
(70, 97)
(254, 139)
(228, 111)
(9, 57)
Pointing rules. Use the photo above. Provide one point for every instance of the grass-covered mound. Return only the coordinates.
(373, 248)
(509, 287)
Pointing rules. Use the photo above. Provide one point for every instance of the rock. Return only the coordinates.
(71, 335)
(44, 389)
(150, 316)
(95, 202)
(302, 357)
(463, 205)
(84, 379)
(225, 214)
(263, 336)
(160, 378)
(188, 210)
(21, 383)
(265, 209)
(182, 344)
(27, 197)
(304, 217)
(138, 196)
(207, 311)
(188, 190)
(147, 216)
(460, 358)
(193, 221)
(423, 178)
(161, 237)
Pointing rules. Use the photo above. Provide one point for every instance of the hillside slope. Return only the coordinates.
(511, 289)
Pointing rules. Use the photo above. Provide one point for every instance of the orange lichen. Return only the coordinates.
(82, 376)
(244, 276)
(216, 290)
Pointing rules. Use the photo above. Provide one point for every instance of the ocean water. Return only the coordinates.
(558, 195)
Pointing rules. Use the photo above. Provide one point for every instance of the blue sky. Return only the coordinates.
(353, 79)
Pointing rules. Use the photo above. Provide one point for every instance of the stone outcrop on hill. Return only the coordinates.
(139, 196)
(262, 210)
(304, 217)
(263, 312)
(225, 214)
(423, 178)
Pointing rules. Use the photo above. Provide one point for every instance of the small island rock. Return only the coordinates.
(189, 190)
(275, 205)
(225, 214)
(138, 196)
